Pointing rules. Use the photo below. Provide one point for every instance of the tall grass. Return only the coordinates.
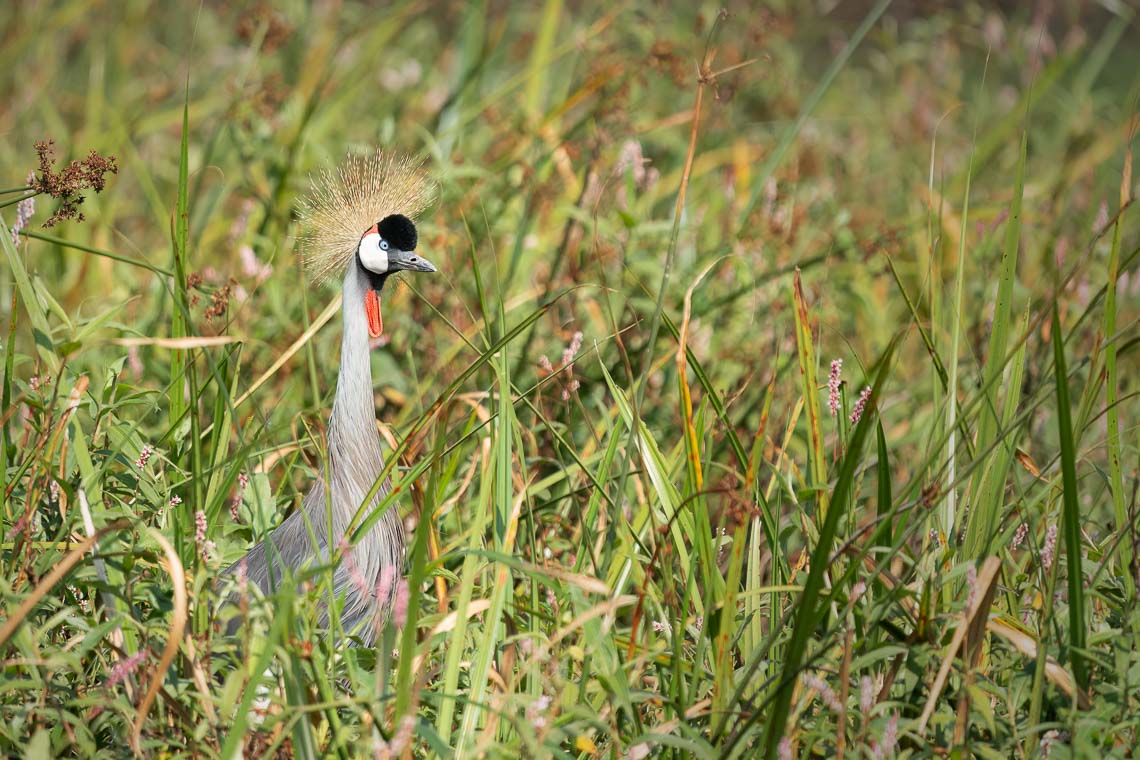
(637, 529)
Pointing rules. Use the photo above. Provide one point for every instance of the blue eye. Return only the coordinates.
(383, 245)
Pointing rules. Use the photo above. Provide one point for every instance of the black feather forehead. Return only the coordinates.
(399, 231)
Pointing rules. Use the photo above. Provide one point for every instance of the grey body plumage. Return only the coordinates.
(382, 190)
(355, 460)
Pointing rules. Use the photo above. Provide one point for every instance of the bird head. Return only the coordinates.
(389, 246)
(341, 215)
(385, 248)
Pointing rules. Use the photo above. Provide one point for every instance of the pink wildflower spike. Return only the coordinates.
(826, 694)
(123, 668)
(351, 567)
(860, 405)
(386, 585)
(134, 361)
(866, 694)
(144, 456)
(1019, 535)
(888, 742)
(200, 527)
(536, 712)
(572, 349)
(24, 211)
(251, 266)
(833, 383)
(243, 483)
(242, 577)
(784, 749)
(205, 546)
(400, 603)
(1049, 549)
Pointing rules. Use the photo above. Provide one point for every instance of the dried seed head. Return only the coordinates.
(342, 204)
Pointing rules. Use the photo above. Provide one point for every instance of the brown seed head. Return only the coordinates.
(68, 184)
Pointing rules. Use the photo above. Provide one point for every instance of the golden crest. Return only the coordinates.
(344, 203)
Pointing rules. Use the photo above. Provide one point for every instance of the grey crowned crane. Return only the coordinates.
(359, 222)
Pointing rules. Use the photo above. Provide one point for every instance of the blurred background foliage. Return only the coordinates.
(559, 134)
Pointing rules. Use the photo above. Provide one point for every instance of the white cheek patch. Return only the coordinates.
(372, 256)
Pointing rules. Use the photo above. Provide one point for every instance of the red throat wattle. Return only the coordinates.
(372, 311)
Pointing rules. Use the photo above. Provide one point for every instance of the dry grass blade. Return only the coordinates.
(598, 610)
(1027, 645)
(58, 573)
(288, 353)
(968, 631)
(178, 619)
(202, 341)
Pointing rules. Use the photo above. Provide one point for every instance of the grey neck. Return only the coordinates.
(354, 443)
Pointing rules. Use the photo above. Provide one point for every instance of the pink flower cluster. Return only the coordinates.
(243, 482)
(860, 405)
(205, 546)
(1049, 550)
(833, 383)
(123, 668)
(144, 456)
(889, 741)
(829, 697)
(566, 366)
(24, 211)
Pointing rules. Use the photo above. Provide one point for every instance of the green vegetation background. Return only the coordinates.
(634, 550)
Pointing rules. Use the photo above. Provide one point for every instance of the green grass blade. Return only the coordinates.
(883, 477)
(810, 390)
(949, 511)
(6, 403)
(1071, 514)
(1112, 400)
(985, 512)
(180, 363)
(743, 460)
(504, 529)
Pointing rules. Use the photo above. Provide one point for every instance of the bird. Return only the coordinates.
(359, 222)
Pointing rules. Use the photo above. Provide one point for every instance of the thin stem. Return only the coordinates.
(14, 201)
(23, 189)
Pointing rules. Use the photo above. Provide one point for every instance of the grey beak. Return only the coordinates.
(409, 261)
